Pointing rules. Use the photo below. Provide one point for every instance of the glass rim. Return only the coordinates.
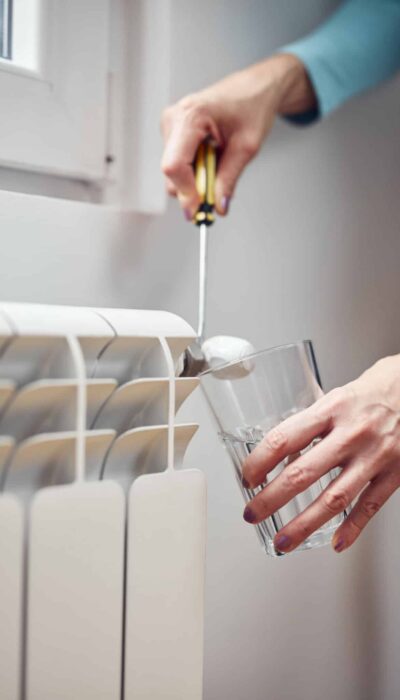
(253, 355)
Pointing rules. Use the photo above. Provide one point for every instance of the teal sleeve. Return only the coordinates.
(354, 50)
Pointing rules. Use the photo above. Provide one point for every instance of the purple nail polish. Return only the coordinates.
(245, 483)
(282, 542)
(225, 201)
(187, 214)
(249, 516)
(339, 545)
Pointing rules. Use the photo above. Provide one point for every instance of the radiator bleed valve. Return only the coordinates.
(231, 354)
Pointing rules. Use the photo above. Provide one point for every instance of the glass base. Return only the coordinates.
(318, 539)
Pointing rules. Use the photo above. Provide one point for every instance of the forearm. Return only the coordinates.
(357, 48)
(280, 81)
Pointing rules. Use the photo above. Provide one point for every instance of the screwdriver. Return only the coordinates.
(204, 169)
(205, 164)
(203, 354)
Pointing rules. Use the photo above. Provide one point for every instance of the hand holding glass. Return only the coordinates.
(249, 399)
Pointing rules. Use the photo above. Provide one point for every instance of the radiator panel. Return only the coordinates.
(95, 521)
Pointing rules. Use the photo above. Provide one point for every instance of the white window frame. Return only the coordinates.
(53, 120)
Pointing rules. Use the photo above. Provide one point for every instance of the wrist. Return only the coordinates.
(386, 373)
(294, 92)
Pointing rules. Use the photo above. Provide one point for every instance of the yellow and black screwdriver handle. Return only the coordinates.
(205, 167)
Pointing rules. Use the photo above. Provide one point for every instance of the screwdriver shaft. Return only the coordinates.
(202, 280)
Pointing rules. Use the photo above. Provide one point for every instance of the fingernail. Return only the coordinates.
(225, 201)
(249, 515)
(339, 545)
(187, 214)
(282, 542)
(245, 483)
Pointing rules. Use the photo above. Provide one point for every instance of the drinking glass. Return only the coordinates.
(253, 395)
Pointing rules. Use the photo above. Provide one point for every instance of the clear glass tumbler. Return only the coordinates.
(251, 396)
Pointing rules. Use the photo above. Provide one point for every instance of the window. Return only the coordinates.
(54, 87)
(82, 87)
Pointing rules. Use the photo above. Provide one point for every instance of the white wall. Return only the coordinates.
(311, 249)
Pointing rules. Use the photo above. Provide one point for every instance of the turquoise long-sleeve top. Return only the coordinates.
(354, 50)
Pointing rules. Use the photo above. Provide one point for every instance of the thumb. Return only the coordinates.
(236, 155)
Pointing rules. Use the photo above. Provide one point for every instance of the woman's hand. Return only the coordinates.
(359, 427)
(236, 113)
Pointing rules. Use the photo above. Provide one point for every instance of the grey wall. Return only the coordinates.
(311, 249)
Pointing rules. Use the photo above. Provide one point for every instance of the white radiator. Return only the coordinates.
(102, 536)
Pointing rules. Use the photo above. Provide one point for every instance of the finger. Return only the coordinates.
(291, 436)
(232, 162)
(369, 503)
(177, 164)
(333, 501)
(170, 187)
(294, 479)
(181, 175)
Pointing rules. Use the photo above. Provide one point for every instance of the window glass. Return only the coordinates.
(6, 29)
(19, 32)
